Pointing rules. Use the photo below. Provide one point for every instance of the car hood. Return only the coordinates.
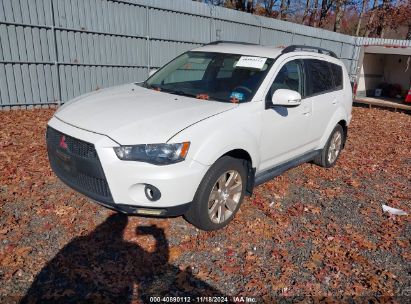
(131, 114)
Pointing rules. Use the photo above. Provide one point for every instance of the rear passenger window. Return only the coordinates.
(338, 76)
(319, 75)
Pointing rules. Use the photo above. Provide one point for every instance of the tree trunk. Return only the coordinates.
(371, 20)
(268, 6)
(324, 10)
(339, 12)
(313, 16)
(307, 6)
(408, 37)
(283, 8)
(364, 4)
(250, 6)
(239, 5)
(383, 21)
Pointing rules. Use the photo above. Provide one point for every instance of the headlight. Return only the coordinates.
(158, 154)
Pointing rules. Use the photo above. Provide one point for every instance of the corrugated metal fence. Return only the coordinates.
(54, 50)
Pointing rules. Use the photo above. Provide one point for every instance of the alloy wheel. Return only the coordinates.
(225, 196)
(335, 147)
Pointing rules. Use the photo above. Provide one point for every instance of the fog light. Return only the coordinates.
(152, 193)
(154, 212)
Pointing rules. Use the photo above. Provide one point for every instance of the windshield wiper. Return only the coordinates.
(218, 99)
(162, 89)
(148, 86)
(177, 92)
(180, 92)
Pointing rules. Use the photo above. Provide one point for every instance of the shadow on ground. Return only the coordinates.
(103, 267)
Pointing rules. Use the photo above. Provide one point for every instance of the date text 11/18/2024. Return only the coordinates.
(203, 299)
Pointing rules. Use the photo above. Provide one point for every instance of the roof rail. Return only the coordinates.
(293, 48)
(232, 42)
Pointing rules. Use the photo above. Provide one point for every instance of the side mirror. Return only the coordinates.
(152, 72)
(286, 98)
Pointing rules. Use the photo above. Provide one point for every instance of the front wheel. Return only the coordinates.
(219, 195)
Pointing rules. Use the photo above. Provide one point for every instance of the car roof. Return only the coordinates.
(241, 49)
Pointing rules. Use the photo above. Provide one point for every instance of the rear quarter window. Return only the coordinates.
(320, 79)
(337, 75)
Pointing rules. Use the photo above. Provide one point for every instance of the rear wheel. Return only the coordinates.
(332, 149)
(219, 195)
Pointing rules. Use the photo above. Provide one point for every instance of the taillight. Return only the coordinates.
(354, 89)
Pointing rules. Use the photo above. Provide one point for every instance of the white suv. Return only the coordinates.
(203, 130)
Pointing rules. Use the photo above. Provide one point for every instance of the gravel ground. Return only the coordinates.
(309, 235)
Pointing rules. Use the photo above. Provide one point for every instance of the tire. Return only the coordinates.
(324, 159)
(209, 214)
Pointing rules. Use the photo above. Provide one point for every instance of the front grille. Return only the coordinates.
(77, 164)
(75, 146)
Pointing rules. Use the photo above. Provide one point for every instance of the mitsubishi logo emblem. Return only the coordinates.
(63, 143)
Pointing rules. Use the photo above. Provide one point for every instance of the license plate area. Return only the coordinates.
(65, 162)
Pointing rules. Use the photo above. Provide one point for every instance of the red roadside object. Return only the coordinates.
(408, 97)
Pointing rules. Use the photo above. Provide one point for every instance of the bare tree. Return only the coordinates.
(325, 7)
(406, 20)
(379, 18)
(238, 5)
(408, 36)
(339, 12)
(313, 16)
(364, 5)
(383, 18)
(372, 17)
(307, 7)
(250, 6)
(268, 6)
(283, 9)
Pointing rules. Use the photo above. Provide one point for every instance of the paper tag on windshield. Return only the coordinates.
(251, 62)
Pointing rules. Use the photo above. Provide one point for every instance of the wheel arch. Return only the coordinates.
(339, 118)
(248, 163)
(240, 154)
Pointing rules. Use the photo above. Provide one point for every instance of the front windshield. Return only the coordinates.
(212, 76)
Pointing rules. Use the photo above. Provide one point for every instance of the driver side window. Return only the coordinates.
(289, 77)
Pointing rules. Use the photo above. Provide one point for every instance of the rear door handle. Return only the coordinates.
(335, 101)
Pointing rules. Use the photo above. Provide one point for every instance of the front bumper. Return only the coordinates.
(126, 180)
